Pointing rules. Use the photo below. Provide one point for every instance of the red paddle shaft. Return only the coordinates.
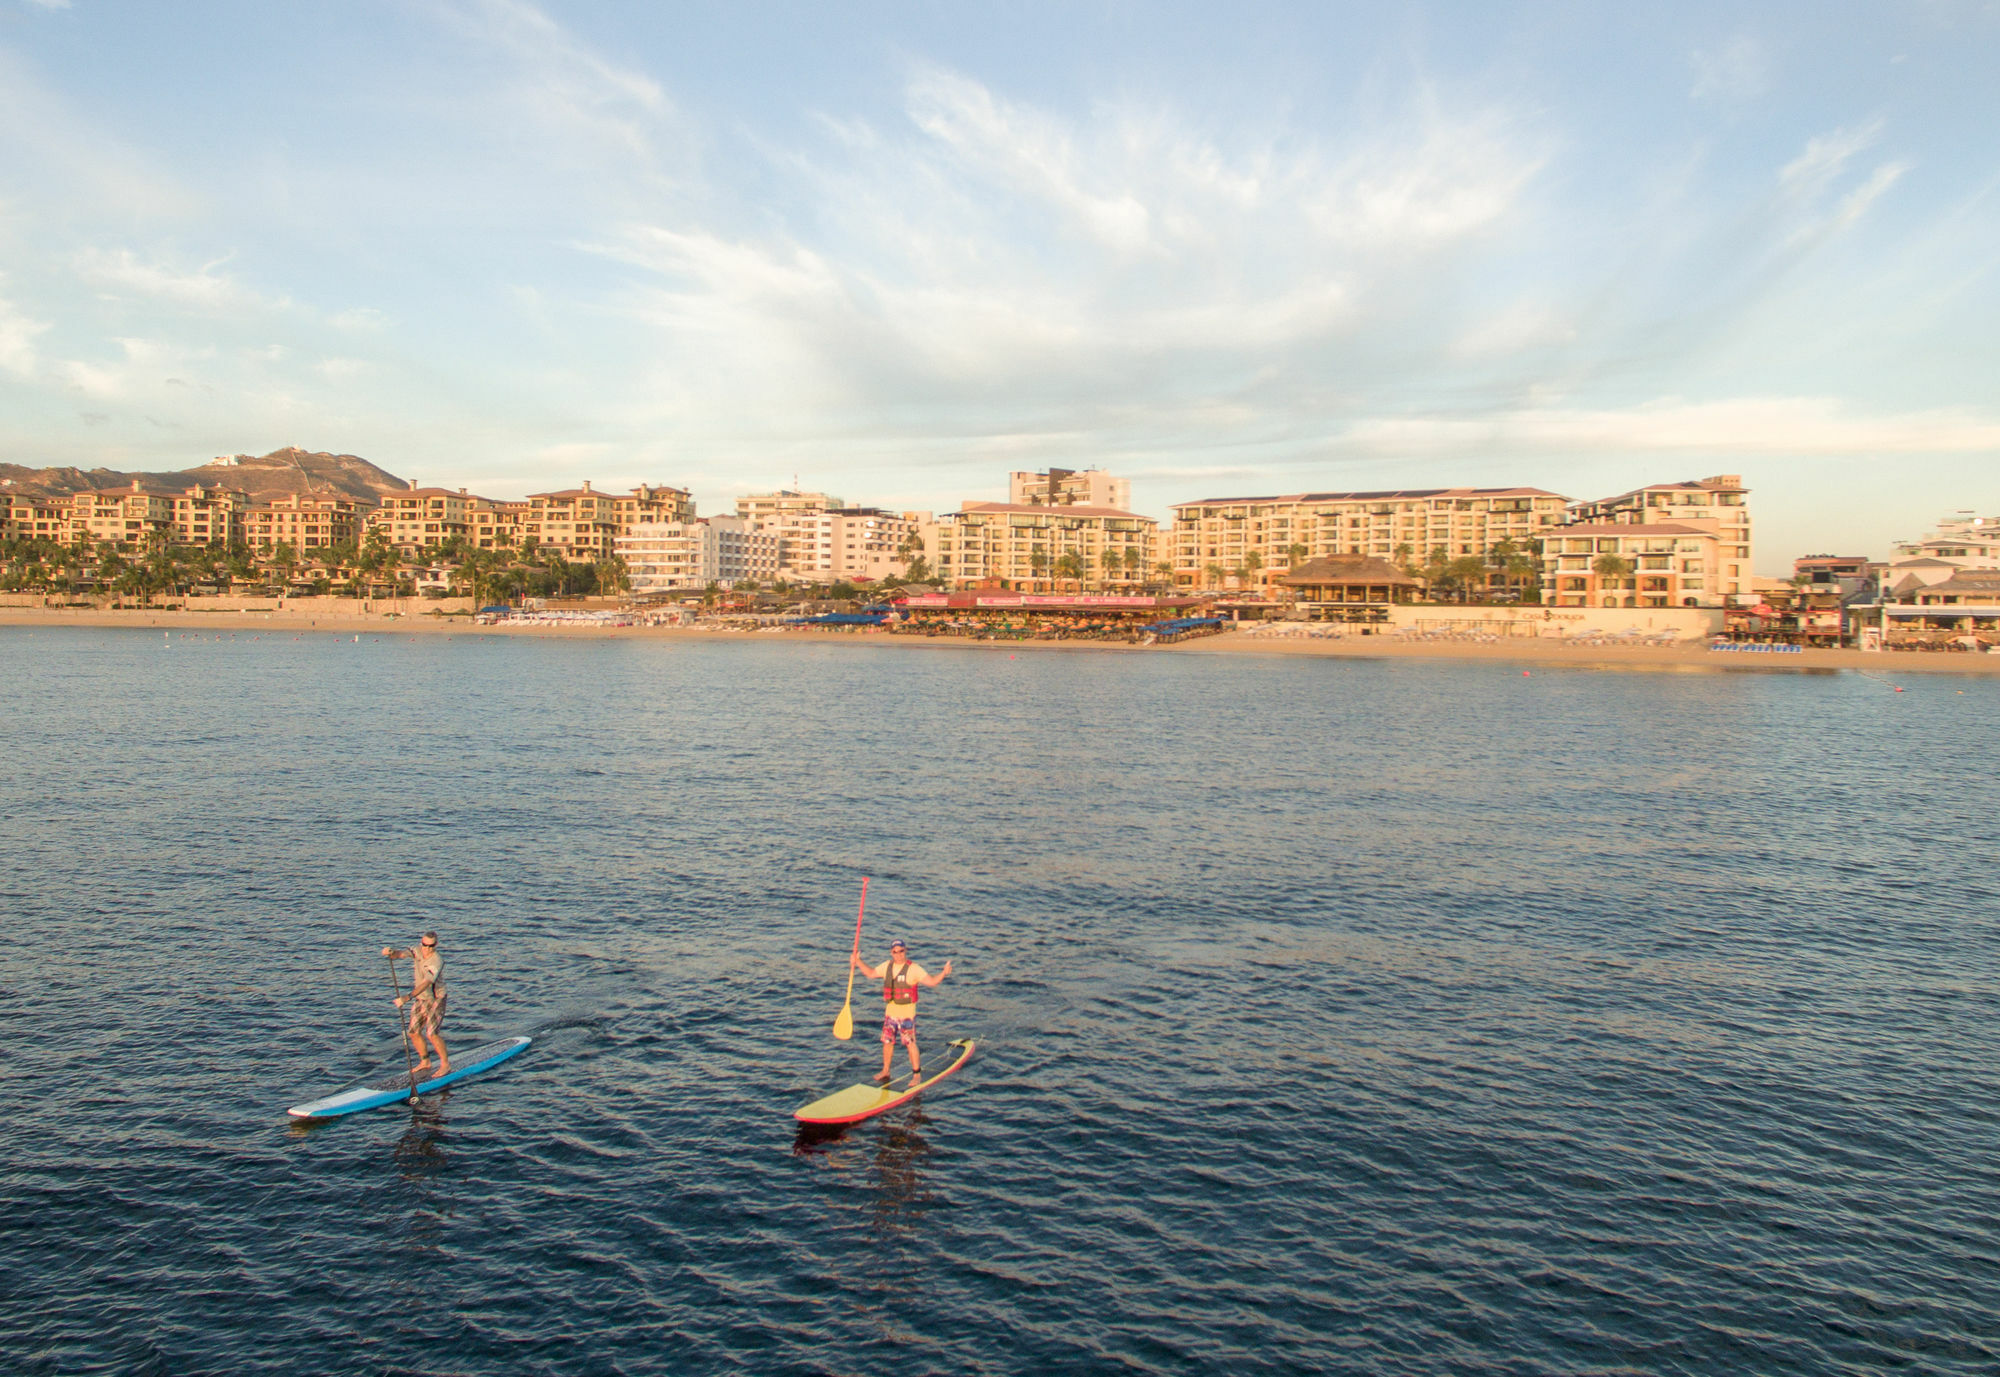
(857, 916)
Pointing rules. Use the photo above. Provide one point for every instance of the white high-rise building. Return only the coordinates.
(1069, 488)
(679, 556)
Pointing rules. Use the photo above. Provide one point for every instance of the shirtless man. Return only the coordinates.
(900, 978)
(426, 999)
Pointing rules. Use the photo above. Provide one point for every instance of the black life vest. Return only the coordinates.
(898, 990)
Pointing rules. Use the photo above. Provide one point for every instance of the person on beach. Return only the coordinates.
(900, 979)
(426, 999)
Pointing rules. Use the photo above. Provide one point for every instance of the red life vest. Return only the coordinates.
(895, 991)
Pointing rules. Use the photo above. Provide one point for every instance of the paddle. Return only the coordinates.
(409, 1055)
(843, 1023)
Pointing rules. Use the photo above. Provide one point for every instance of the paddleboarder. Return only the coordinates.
(426, 999)
(900, 979)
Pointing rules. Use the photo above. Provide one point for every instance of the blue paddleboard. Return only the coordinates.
(396, 1089)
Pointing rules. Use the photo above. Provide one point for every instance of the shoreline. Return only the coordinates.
(1523, 650)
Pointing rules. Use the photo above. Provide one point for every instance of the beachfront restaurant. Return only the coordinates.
(992, 614)
(1961, 613)
(1349, 588)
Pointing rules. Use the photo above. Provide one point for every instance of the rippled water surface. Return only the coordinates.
(1357, 1016)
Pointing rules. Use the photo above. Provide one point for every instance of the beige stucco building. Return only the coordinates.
(1408, 524)
(1670, 564)
(305, 522)
(1021, 546)
(1069, 488)
(1716, 506)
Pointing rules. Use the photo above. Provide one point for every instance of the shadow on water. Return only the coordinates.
(902, 1193)
(419, 1153)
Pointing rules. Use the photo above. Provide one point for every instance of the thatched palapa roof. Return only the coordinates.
(1347, 569)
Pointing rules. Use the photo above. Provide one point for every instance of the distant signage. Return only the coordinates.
(1030, 600)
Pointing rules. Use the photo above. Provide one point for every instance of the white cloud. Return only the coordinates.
(1738, 426)
(1825, 155)
(563, 82)
(1522, 327)
(123, 272)
(18, 333)
(1029, 152)
(1732, 74)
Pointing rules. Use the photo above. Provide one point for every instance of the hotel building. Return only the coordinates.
(1660, 530)
(580, 524)
(803, 527)
(121, 518)
(1963, 541)
(681, 556)
(206, 515)
(1391, 524)
(1020, 545)
(424, 518)
(44, 518)
(1069, 488)
(823, 540)
(305, 521)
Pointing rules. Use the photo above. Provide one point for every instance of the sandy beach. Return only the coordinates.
(1524, 651)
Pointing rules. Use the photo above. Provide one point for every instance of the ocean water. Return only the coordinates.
(1333, 1015)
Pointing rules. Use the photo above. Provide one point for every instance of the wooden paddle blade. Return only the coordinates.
(843, 1024)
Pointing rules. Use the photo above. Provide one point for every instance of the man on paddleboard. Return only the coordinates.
(900, 978)
(426, 999)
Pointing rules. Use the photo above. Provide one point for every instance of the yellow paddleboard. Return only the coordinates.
(858, 1102)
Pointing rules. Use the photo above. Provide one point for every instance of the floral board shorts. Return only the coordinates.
(904, 1028)
(427, 1014)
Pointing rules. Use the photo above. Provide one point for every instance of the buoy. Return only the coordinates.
(1899, 688)
(1527, 674)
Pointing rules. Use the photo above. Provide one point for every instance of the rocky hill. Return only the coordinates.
(277, 474)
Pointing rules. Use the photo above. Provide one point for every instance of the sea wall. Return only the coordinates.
(1689, 623)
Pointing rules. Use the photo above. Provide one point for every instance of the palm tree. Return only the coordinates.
(1521, 565)
(1070, 565)
(1165, 569)
(1253, 564)
(1215, 574)
(1405, 554)
(1296, 553)
(1038, 561)
(1464, 574)
(1611, 570)
(285, 559)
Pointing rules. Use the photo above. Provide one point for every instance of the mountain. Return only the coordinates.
(277, 474)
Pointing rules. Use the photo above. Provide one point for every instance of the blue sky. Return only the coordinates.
(896, 250)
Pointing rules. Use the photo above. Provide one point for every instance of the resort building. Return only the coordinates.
(652, 505)
(42, 518)
(683, 556)
(1624, 564)
(823, 540)
(305, 522)
(1713, 505)
(1069, 488)
(131, 518)
(424, 518)
(1963, 541)
(1026, 546)
(1251, 540)
(495, 525)
(802, 527)
(206, 515)
(578, 524)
